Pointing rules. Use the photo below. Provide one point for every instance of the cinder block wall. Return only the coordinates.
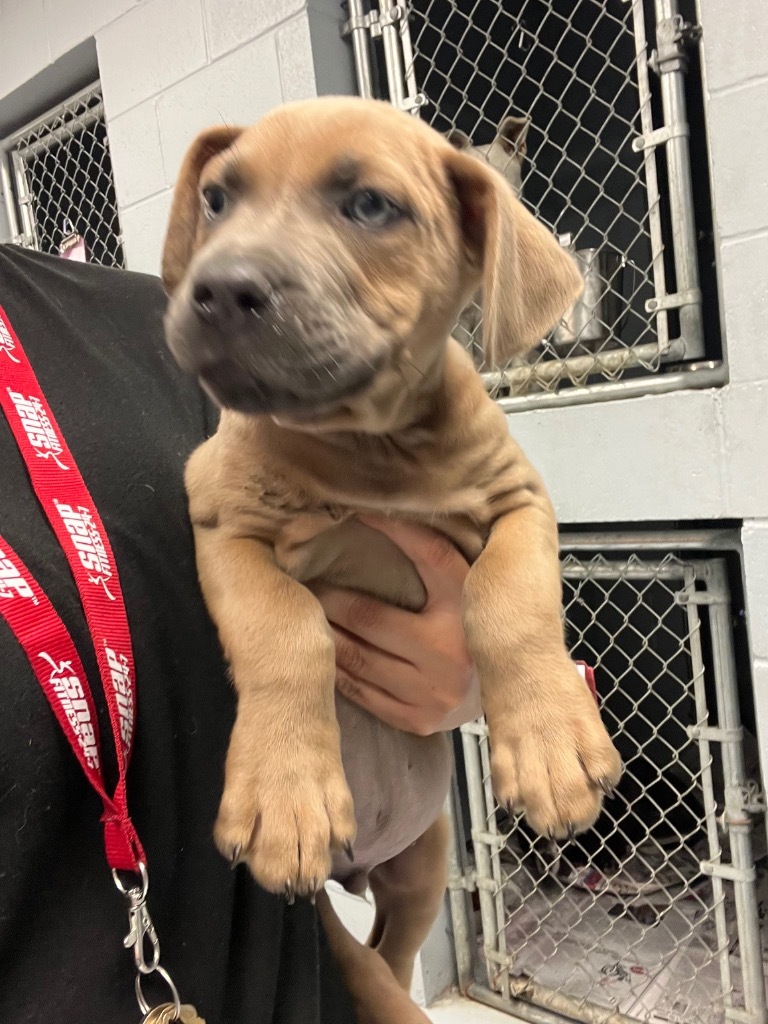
(171, 67)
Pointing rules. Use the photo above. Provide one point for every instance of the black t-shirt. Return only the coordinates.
(131, 419)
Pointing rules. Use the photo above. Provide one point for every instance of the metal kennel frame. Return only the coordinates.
(608, 124)
(56, 176)
(655, 915)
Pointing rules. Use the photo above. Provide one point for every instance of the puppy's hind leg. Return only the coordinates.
(408, 891)
(376, 995)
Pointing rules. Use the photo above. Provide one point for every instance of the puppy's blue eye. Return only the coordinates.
(215, 201)
(371, 208)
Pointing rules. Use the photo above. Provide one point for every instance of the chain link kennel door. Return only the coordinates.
(655, 915)
(603, 159)
(58, 183)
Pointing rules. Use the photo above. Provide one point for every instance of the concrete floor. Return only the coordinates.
(464, 1011)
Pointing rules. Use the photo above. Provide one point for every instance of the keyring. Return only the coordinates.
(144, 1005)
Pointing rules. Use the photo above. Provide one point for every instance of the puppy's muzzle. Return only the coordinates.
(262, 341)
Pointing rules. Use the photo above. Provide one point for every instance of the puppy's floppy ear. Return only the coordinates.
(528, 280)
(185, 210)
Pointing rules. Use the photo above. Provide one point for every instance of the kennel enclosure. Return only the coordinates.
(606, 88)
(58, 184)
(657, 915)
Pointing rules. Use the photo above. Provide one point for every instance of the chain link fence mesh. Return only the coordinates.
(576, 73)
(623, 924)
(63, 182)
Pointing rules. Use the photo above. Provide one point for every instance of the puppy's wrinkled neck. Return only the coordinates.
(403, 400)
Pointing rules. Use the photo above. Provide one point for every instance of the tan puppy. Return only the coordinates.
(316, 263)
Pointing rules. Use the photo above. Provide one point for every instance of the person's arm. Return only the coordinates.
(411, 670)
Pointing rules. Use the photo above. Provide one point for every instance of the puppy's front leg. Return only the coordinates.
(286, 803)
(551, 755)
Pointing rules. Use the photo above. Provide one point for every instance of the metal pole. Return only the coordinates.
(671, 64)
(649, 163)
(495, 842)
(458, 895)
(358, 32)
(28, 226)
(621, 540)
(408, 60)
(10, 201)
(710, 376)
(578, 368)
(390, 37)
(707, 786)
(479, 825)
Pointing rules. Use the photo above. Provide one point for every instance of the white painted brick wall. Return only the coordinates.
(230, 23)
(743, 263)
(237, 89)
(740, 158)
(148, 49)
(68, 22)
(137, 153)
(24, 47)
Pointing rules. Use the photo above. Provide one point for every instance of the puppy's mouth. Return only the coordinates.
(234, 387)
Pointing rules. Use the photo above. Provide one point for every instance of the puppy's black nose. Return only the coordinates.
(226, 296)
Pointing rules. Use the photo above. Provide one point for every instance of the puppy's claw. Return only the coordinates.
(290, 894)
(314, 887)
(606, 787)
(349, 852)
(570, 831)
(234, 857)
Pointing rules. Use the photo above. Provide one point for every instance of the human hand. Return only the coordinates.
(410, 669)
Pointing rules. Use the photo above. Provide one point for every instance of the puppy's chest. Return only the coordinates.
(321, 540)
(313, 502)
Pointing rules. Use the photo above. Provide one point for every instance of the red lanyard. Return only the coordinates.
(48, 645)
(75, 520)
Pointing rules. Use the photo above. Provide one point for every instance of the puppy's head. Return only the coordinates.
(317, 261)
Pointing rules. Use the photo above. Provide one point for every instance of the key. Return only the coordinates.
(164, 1014)
(189, 1015)
(158, 1015)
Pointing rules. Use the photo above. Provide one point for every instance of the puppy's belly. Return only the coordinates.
(399, 783)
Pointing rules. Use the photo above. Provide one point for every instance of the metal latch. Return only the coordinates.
(672, 36)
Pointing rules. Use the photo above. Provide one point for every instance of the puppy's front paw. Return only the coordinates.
(555, 761)
(286, 806)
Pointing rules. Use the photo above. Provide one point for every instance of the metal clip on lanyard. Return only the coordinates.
(46, 641)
